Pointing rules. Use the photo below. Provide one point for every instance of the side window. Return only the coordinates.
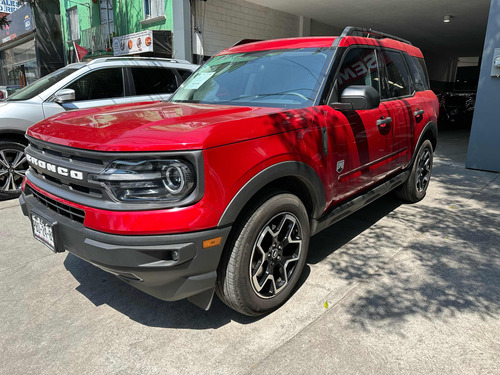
(417, 74)
(154, 81)
(359, 68)
(398, 79)
(100, 84)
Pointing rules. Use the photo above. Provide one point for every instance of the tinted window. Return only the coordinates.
(417, 74)
(398, 80)
(359, 68)
(184, 73)
(100, 84)
(154, 81)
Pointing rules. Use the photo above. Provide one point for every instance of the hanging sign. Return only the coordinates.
(132, 44)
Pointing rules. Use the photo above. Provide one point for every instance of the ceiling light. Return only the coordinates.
(447, 19)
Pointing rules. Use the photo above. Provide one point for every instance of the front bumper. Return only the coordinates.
(169, 267)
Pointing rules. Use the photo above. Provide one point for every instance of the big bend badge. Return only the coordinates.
(340, 166)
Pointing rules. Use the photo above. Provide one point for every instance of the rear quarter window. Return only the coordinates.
(417, 73)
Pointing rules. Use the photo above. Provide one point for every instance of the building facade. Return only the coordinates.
(31, 45)
(96, 24)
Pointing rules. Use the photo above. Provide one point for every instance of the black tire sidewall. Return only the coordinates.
(419, 195)
(246, 240)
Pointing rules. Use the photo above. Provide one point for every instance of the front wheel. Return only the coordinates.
(266, 255)
(415, 188)
(13, 166)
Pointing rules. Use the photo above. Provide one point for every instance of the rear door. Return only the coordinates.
(423, 102)
(397, 93)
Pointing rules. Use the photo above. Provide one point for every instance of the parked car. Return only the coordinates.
(103, 81)
(220, 189)
(6, 91)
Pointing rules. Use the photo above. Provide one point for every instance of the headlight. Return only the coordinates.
(148, 180)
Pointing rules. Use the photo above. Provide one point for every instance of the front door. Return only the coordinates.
(362, 141)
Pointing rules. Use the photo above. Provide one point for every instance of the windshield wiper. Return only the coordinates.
(259, 96)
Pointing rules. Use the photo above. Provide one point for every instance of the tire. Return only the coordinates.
(254, 281)
(13, 166)
(415, 188)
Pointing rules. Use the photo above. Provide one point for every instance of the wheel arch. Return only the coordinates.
(430, 132)
(13, 135)
(295, 177)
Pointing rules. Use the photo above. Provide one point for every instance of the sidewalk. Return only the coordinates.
(408, 289)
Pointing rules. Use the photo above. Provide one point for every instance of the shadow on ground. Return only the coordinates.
(100, 288)
(103, 288)
(451, 267)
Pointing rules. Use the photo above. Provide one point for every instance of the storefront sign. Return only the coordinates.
(21, 22)
(132, 44)
(10, 6)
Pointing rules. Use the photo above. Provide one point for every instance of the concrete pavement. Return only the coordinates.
(393, 289)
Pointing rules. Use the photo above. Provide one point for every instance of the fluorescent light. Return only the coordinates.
(447, 19)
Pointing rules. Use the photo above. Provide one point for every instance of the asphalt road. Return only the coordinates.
(393, 289)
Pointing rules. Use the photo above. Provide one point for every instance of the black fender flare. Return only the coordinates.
(432, 127)
(301, 171)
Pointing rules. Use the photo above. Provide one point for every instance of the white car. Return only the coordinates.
(104, 81)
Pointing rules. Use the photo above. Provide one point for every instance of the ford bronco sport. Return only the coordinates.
(220, 189)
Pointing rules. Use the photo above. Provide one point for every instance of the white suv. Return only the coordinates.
(104, 81)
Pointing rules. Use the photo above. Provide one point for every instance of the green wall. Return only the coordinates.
(127, 15)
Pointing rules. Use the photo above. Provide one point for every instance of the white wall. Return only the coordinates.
(322, 29)
(227, 21)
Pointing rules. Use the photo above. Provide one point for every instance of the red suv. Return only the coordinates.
(220, 188)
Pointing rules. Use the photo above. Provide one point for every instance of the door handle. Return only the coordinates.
(418, 112)
(384, 122)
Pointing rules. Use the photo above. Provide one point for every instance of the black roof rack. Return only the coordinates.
(368, 33)
(246, 41)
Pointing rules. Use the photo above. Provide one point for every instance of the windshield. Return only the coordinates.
(280, 78)
(42, 84)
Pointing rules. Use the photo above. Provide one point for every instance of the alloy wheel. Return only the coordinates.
(423, 170)
(275, 255)
(13, 167)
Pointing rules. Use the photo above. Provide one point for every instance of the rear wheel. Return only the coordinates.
(415, 188)
(13, 166)
(266, 255)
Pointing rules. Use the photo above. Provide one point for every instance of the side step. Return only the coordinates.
(345, 209)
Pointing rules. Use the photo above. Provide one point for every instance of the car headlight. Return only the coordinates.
(148, 180)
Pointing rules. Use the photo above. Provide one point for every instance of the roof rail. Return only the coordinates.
(129, 58)
(370, 33)
(246, 41)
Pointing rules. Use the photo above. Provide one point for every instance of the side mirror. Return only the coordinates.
(64, 96)
(360, 97)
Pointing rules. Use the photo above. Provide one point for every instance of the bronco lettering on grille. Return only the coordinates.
(77, 175)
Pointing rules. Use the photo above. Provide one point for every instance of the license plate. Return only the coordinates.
(42, 231)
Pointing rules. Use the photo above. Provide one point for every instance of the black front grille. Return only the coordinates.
(72, 213)
(66, 172)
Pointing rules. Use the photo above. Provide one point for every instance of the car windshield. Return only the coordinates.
(281, 78)
(42, 84)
